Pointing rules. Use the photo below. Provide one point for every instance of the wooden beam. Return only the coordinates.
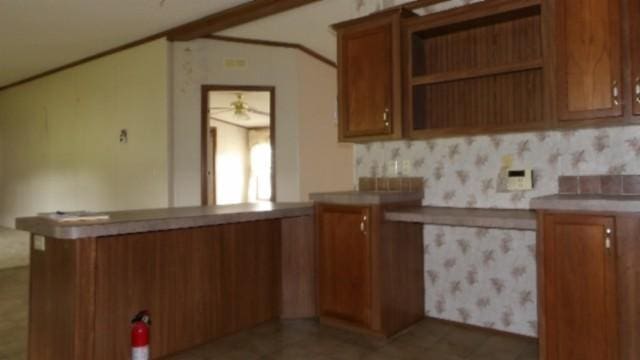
(421, 3)
(300, 47)
(234, 16)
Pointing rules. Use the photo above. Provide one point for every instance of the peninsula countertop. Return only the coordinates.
(137, 221)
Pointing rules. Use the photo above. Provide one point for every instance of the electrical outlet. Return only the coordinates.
(39, 242)
(406, 167)
(392, 168)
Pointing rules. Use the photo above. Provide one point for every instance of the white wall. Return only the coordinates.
(325, 164)
(232, 163)
(59, 146)
(201, 62)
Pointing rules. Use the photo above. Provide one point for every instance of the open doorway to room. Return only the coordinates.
(238, 144)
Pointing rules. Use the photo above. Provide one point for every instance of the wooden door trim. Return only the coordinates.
(204, 126)
(213, 136)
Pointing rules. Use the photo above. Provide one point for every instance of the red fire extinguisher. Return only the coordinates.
(140, 336)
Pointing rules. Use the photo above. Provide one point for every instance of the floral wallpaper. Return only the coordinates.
(487, 277)
(484, 277)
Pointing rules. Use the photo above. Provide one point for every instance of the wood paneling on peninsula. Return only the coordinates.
(198, 283)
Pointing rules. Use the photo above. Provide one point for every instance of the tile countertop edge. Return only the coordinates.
(55, 230)
(588, 203)
(513, 219)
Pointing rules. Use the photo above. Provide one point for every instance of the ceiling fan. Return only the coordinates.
(239, 107)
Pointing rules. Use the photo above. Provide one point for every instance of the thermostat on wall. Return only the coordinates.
(519, 180)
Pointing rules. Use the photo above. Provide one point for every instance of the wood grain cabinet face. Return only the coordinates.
(369, 80)
(579, 311)
(344, 247)
(588, 59)
(634, 39)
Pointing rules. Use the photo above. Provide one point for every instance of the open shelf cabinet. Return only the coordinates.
(476, 71)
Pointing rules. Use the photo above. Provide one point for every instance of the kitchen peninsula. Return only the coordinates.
(202, 272)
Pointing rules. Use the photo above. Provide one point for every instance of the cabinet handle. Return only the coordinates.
(385, 117)
(607, 239)
(363, 224)
(637, 90)
(616, 94)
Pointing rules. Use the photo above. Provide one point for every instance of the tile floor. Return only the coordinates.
(305, 339)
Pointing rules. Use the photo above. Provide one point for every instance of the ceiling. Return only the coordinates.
(257, 100)
(38, 35)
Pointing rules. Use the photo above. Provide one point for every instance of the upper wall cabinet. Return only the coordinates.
(369, 78)
(588, 42)
(488, 67)
(476, 69)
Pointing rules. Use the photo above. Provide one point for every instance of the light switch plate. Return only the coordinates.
(39, 243)
(406, 167)
(519, 179)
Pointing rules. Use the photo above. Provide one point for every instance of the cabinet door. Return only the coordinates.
(366, 73)
(579, 301)
(344, 258)
(634, 39)
(588, 59)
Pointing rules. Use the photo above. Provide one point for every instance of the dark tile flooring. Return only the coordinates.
(300, 339)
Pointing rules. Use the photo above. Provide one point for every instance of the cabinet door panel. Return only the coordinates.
(588, 44)
(366, 80)
(579, 288)
(345, 265)
(634, 38)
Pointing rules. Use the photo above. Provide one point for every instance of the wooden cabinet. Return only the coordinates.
(634, 40)
(345, 266)
(476, 69)
(588, 42)
(489, 67)
(369, 78)
(589, 286)
(370, 272)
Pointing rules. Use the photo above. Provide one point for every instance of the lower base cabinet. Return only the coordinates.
(589, 286)
(370, 272)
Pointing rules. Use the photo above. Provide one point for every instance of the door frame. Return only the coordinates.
(204, 133)
(213, 138)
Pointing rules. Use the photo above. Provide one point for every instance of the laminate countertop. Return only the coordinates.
(137, 221)
(366, 197)
(586, 202)
(484, 218)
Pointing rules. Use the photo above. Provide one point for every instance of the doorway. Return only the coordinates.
(237, 144)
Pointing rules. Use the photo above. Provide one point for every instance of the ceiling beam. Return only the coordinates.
(231, 17)
(288, 45)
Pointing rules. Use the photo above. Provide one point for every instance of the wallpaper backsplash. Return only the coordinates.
(487, 277)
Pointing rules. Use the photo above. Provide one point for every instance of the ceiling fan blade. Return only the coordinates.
(219, 111)
(259, 112)
(217, 119)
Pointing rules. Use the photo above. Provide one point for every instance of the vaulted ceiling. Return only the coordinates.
(38, 35)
